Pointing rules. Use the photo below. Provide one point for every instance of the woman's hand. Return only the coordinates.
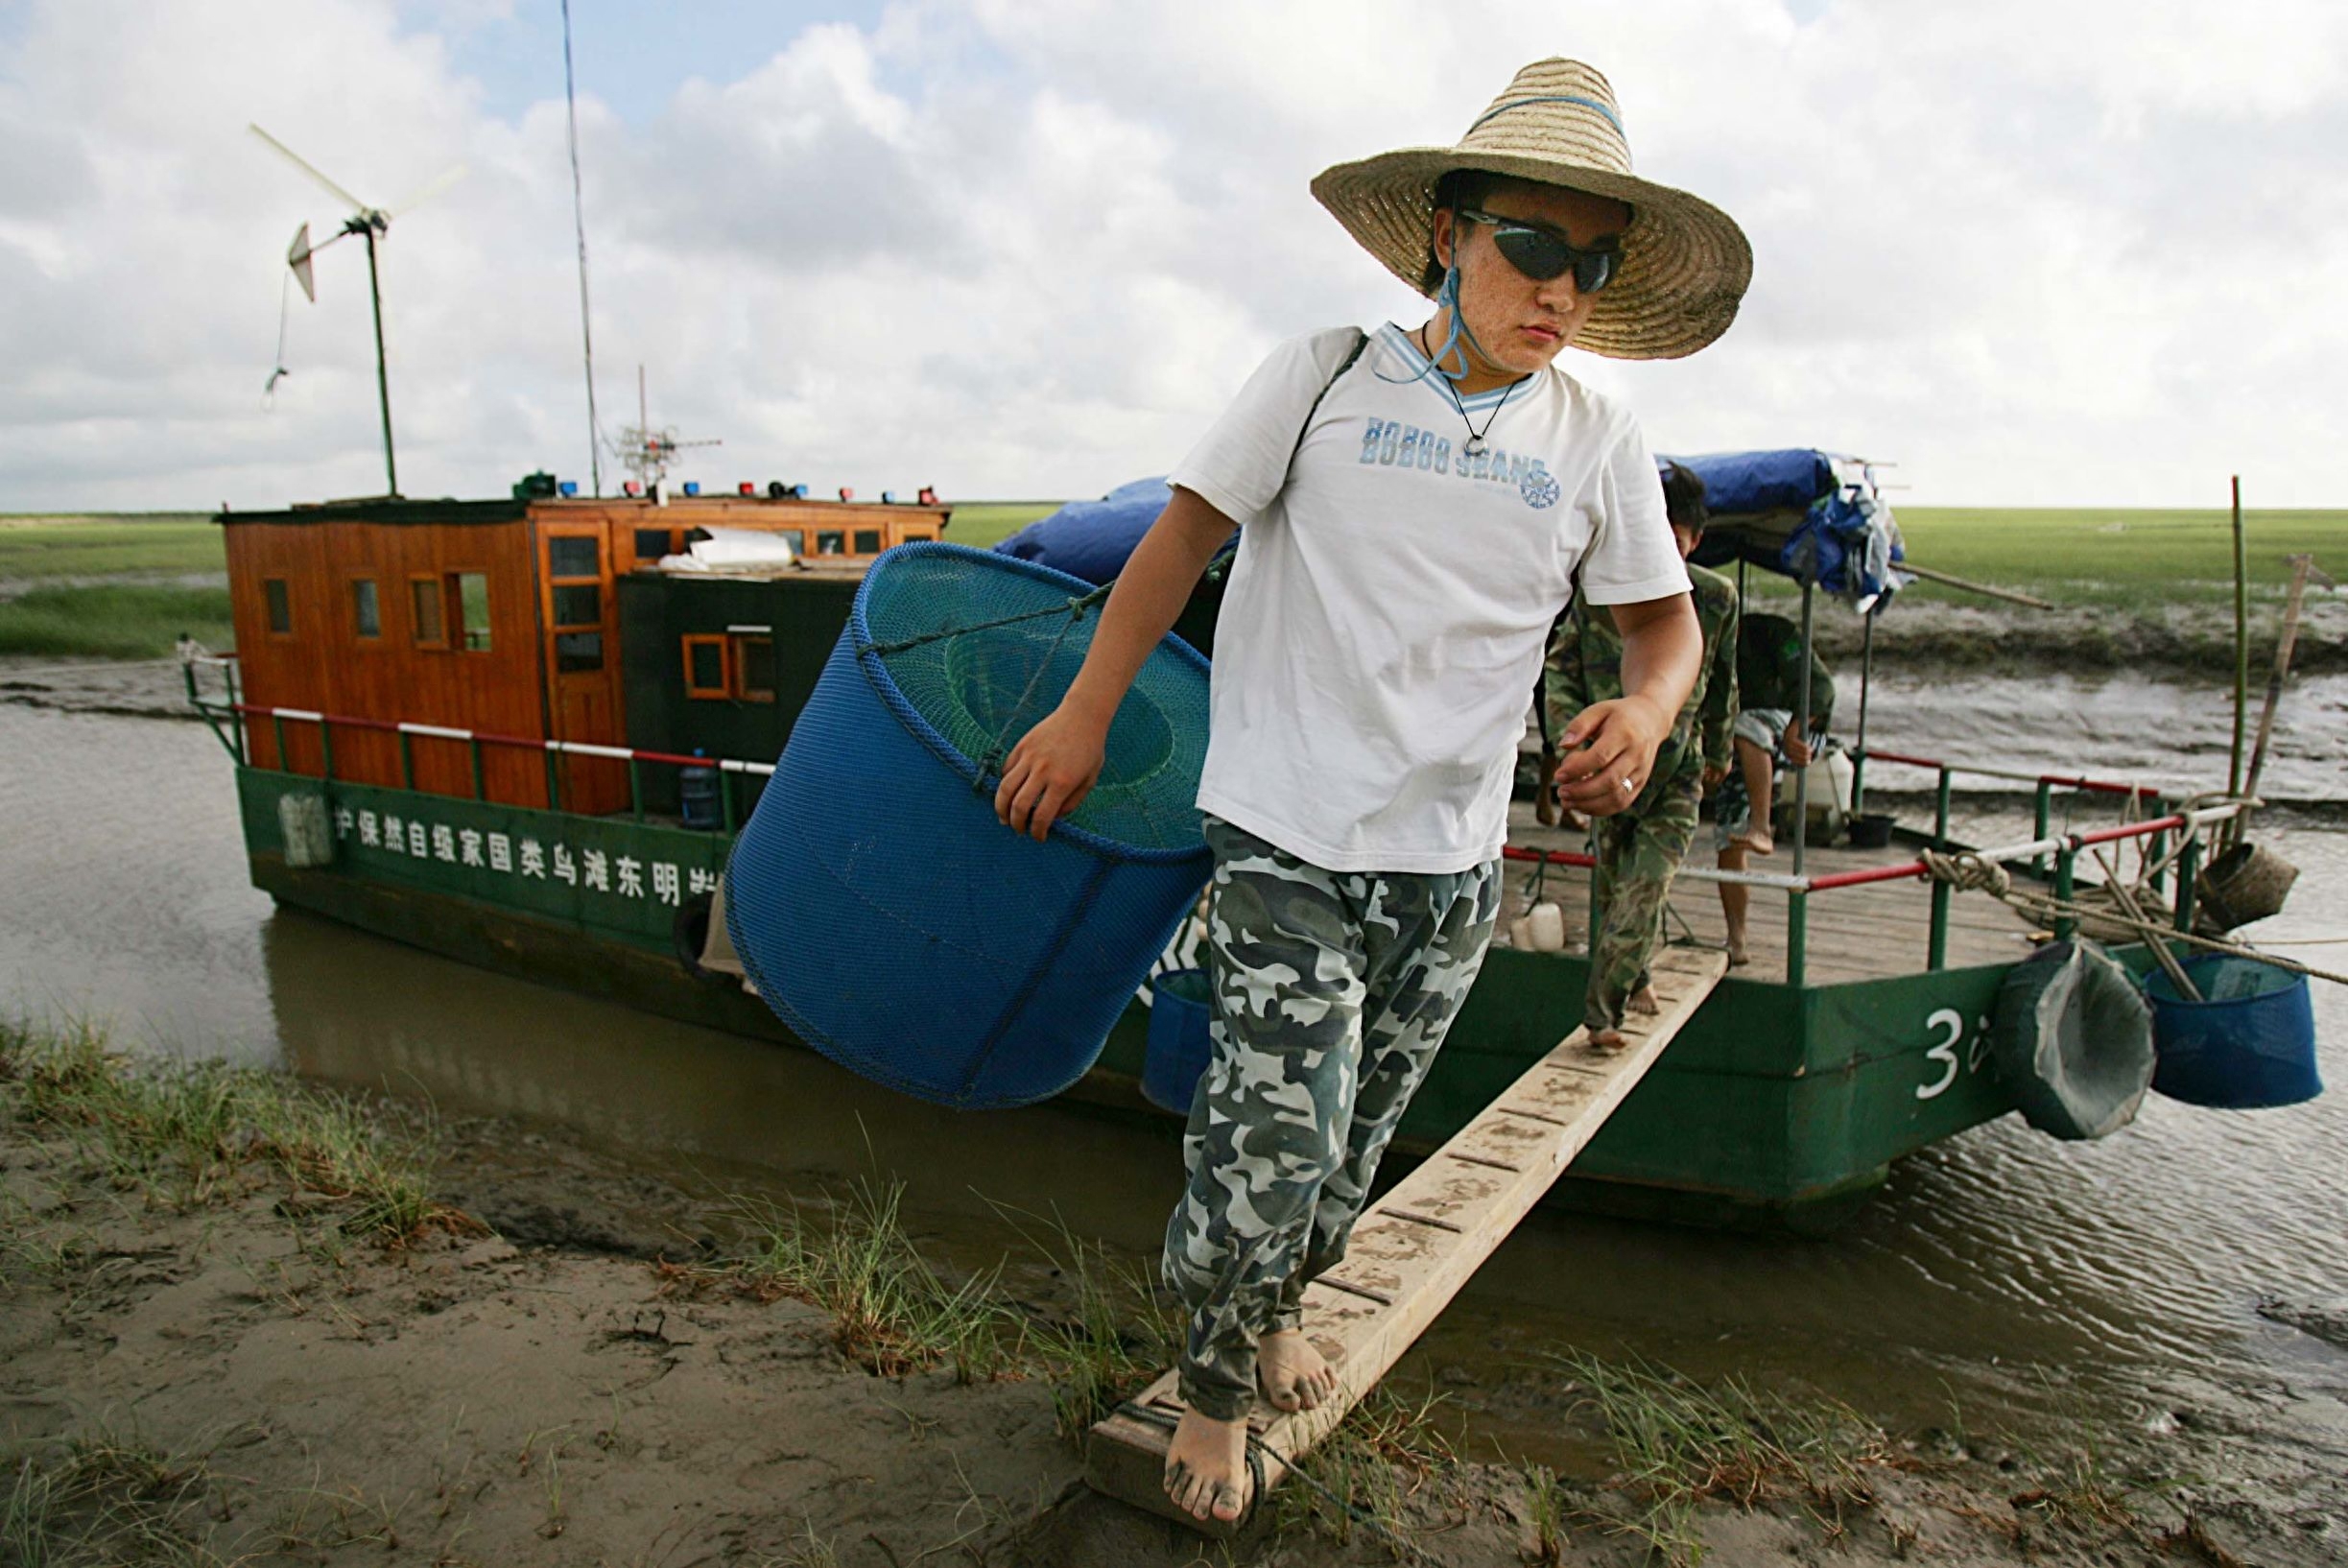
(1051, 770)
(1609, 749)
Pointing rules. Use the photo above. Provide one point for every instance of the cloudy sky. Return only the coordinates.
(2067, 251)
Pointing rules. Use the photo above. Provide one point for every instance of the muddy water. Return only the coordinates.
(2023, 1280)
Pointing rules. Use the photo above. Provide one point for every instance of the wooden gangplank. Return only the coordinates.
(1415, 1248)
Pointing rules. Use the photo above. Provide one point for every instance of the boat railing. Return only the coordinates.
(234, 715)
(2153, 834)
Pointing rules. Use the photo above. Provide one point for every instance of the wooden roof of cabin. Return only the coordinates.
(720, 510)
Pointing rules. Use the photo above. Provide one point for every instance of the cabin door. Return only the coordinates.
(581, 623)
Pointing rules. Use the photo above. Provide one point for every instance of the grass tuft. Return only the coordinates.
(1387, 1453)
(188, 1134)
(893, 1312)
(1678, 1444)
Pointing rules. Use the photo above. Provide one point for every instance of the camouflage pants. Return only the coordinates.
(1638, 854)
(1332, 991)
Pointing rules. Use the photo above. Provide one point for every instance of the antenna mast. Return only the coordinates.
(579, 221)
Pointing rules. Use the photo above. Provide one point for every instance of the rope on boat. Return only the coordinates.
(1968, 872)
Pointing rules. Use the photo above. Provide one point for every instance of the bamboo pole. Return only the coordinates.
(1951, 579)
(2303, 567)
(2242, 645)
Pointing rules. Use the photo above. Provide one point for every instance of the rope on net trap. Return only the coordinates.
(1967, 872)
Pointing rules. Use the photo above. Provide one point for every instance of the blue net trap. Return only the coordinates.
(2249, 1043)
(880, 907)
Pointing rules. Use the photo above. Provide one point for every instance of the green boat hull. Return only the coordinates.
(1775, 1106)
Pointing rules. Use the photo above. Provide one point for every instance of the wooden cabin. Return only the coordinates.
(497, 617)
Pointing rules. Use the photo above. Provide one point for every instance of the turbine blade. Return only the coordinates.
(298, 256)
(303, 165)
(425, 193)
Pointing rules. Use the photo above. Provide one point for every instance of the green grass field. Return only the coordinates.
(2132, 561)
(983, 525)
(114, 621)
(2127, 559)
(156, 543)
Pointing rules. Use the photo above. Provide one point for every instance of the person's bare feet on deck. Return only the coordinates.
(1644, 1000)
(1738, 955)
(1757, 838)
(1206, 1467)
(1609, 1040)
(1293, 1375)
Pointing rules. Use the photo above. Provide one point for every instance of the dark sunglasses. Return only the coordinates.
(1541, 255)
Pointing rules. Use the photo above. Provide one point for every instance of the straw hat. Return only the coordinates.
(1685, 262)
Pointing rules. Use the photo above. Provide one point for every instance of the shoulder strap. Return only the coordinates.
(1361, 341)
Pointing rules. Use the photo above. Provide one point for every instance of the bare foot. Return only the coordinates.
(1293, 1374)
(1757, 840)
(1609, 1040)
(1644, 1000)
(1738, 957)
(1206, 1467)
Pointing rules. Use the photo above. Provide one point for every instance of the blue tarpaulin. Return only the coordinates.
(1091, 539)
(1804, 514)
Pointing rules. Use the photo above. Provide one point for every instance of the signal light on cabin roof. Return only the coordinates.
(928, 495)
(776, 490)
(693, 486)
(569, 489)
(746, 488)
(631, 488)
(847, 495)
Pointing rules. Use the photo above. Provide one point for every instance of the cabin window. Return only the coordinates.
(831, 541)
(280, 606)
(578, 604)
(705, 668)
(365, 607)
(574, 554)
(910, 533)
(652, 543)
(867, 541)
(754, 669)
(578, 650)
(424, 597)
(472, 603)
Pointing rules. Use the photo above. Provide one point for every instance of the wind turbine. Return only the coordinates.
(369, 222)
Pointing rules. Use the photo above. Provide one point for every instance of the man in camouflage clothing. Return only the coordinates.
(1640, 850)
(1769, 675)
(1283, 1141)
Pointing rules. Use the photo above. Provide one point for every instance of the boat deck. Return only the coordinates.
(1864, 933)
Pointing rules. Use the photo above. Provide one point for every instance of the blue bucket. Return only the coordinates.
(1181, 1007)
(2250, 1045)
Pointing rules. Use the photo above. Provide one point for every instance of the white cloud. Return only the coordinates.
(2036, 253)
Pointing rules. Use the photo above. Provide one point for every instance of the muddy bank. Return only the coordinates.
(132, 688)
(2179, 640)
(252, 1367)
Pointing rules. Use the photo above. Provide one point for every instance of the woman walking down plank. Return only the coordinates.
(1413, 506)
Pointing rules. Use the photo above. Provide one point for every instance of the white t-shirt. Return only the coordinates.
(1386, 618)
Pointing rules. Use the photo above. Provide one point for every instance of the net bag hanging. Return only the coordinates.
(887, 915)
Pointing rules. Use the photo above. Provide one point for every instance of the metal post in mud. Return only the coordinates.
(2241, 644)
(2066, 860)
